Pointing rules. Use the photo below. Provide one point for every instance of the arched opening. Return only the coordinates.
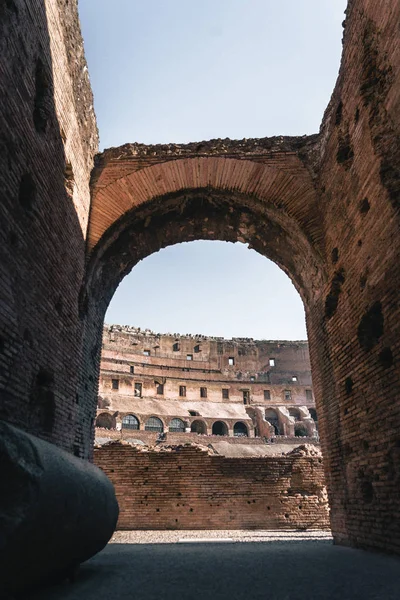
(130, 422)
(177, 426)
(206, 213)
(198, 427)
(154, 424)
(295, 413)
(272, 417)
(105, 421)
(300, 429)
(219, 428)
(240, 430)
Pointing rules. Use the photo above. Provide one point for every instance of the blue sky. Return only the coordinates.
(186, 70)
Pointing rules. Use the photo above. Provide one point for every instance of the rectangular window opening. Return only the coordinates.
(160, 389)
(246, 396)
(231, 361)
(267, 395)
(203, 392)
(175, 347)
(132, 369)
(309, 395)
(182, 391)
(271, 362)
(115, 384)
(225, 393)
(197, 348)
(138, 390)
(294, 378)
(287, 394)
(189, 356)
(146, 352)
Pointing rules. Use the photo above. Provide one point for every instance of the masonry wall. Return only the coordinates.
(355, 327)
(48, 138)
(184, 487)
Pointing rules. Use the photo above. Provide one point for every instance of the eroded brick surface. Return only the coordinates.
(186, 487)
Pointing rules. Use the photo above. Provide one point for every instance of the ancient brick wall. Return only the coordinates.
(356, 328)
(184, 487)
(48, 139)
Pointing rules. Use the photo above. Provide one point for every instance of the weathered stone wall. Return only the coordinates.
(356, 330)
(184, 487)
(48, 139)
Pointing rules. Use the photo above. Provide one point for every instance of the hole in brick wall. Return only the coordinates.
(28, 337)
(370, 328)
(390, 177)
(190, 509)
(69, 178)
(339, 113)
(348, 385)
(43, 96)
(335, 255)
(268, 508)
(42, 400)
(332, 299)
(365, 445)
(345, 152)
(27, 192)
(364, 206)
(386, 358)
(367, 491)
(286, 516)
(357, 115)
(59, 305)
(363, 280)
(77, 451)
(359, 243)
(346, 411)
(13, 239)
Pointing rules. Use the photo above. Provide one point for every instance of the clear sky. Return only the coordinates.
(187, 70)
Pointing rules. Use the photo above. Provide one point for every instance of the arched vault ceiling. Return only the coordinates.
(274, 170)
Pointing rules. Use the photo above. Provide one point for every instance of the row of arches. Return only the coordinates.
(272, 416)
(176, 425)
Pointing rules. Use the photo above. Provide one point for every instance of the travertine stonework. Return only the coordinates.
(239, 387)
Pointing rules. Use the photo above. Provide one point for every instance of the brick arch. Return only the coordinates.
(281, 180)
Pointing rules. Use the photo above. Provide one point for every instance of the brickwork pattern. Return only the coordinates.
(184, 487)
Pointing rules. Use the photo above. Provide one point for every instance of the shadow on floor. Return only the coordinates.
(295, 570)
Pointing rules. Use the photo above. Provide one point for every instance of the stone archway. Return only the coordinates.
(270, 194)
(147, 198)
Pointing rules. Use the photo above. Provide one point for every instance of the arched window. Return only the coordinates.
(199, 427)
(272, 417)
(177, 425)
(219, 428)
(300, 430)
(130, 422)
(295, 413)
(154, 424)
(240, 430)
(313, 414)
(105, 421)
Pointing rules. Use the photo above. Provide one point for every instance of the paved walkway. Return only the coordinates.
(300, 569)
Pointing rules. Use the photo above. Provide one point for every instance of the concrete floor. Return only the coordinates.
(278, 570)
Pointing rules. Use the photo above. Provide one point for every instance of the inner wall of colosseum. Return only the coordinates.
(248, 404)
(325, 208)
